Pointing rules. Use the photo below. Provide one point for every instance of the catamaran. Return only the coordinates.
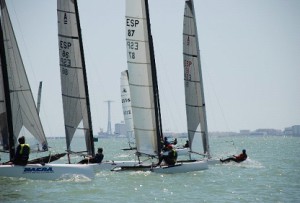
(193, 84)
(74, 86)
(18, 110)
(144, 92)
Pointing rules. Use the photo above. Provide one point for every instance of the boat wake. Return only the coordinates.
(249, 163)
(74, 178)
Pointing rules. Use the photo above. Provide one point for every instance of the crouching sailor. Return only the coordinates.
(169, 156)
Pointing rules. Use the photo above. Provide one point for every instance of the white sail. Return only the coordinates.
(126, 105)
(194, 93)
(140, 80)
(73, 84)
(24, 112)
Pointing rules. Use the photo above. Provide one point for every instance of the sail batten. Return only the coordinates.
(68, 37)
(192, 55)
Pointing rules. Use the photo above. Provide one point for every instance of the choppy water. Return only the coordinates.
(271, 174)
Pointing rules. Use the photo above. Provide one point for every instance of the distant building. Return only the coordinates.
(245, 132)
(293, 130)
(266, 132)
(120, 129)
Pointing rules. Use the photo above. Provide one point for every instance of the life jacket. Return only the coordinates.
(241, 157)
(173, 155)
(24, 152)
(22, 155)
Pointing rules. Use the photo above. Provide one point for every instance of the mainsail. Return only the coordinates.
(16, 89)
(142, 78)
(73, 74)
(126, 105)
(193, 82)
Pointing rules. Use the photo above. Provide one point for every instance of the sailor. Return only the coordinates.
(96, 159)
(169, 156)
(174, 142)
(166, 142)
(187, 144)
(241, 157)
(22, 152)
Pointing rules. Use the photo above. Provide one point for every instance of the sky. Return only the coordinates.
(250, 56)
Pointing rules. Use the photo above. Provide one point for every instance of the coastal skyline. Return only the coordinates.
(249, 55)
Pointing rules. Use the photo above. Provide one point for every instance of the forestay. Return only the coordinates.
(73, 75)
(194, 91)
(141, 70)
(23, 109)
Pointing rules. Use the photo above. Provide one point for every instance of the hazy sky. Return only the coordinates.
(250, 55)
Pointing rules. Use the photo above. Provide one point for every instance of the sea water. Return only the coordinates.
(271, 174)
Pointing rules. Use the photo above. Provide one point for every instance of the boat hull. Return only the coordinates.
(47, 171)
(136, 167)
(109, 165)
(182, 167)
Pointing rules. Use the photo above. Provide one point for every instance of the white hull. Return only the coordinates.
(109, 165)
(47, 172)
(182, 167)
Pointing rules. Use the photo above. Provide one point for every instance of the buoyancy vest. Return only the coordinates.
(241, 157)
(24, 151)
(173, 155)
(22, 155)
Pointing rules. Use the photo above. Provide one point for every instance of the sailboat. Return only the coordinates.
(127, 110)
(144, 91)
(74, 85)
(18, 110)
(193, 83)
(142, 84)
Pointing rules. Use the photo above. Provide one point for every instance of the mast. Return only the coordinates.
(7, 95)
(91, 138)
(155, 84)
(39, 96)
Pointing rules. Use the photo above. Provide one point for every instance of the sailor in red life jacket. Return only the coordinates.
(241, 157)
